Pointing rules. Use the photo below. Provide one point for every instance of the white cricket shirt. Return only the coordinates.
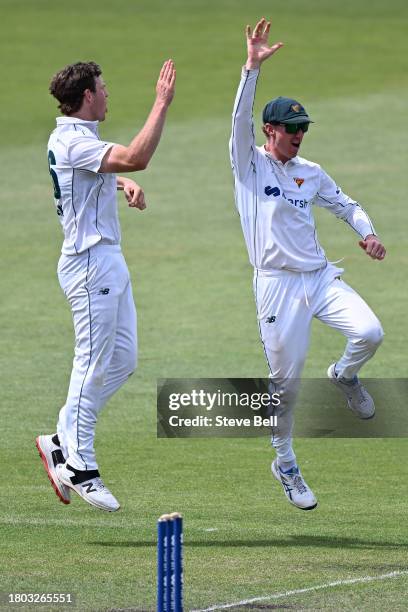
(275, 200)
(85, 198)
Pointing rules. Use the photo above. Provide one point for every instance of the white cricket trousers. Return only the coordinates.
(286, 304)
(97, 285)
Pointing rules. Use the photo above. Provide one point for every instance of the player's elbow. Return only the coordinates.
(136, 162)
(141, 164)
(122, 159)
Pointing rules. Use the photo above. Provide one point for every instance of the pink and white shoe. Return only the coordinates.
(51, 455)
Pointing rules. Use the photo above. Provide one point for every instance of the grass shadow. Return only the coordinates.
(292, 541)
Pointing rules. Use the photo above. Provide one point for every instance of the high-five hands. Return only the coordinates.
(257, 44)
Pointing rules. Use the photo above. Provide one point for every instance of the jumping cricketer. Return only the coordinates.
(92, 270)
(275, 191)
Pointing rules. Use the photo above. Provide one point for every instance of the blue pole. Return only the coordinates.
(161, 536)
(178, 564)
(169, 564)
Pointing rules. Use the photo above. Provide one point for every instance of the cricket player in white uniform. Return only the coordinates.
(92, 271)
(275, 190)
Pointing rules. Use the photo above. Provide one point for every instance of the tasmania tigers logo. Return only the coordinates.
(299, 182)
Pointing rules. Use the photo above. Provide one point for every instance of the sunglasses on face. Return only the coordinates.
(293, 128)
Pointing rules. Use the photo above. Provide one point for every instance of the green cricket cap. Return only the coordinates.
(285, 110)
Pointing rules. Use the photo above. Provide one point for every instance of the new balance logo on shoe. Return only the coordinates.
(103, 291)
(89, 487)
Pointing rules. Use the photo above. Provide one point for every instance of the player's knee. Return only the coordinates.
(373, 335)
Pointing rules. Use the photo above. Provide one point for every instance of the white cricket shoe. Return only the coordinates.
(89, 486)
(296, 490)
(51, 456)
(359, 400)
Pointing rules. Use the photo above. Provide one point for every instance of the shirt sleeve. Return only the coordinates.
(86, 153)
(242, 141)
(330, 196)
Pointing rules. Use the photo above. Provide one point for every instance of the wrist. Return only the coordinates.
(161, 104)
(252, 65)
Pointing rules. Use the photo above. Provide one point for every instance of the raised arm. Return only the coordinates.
(137, 155)
(242, 142)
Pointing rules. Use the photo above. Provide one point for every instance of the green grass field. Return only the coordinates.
(192, 282)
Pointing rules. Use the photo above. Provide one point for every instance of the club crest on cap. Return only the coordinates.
(295, 108)
(299, 182)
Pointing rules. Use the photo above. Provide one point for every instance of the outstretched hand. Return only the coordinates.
(373, 247)
(167, 81)
(257, 44)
